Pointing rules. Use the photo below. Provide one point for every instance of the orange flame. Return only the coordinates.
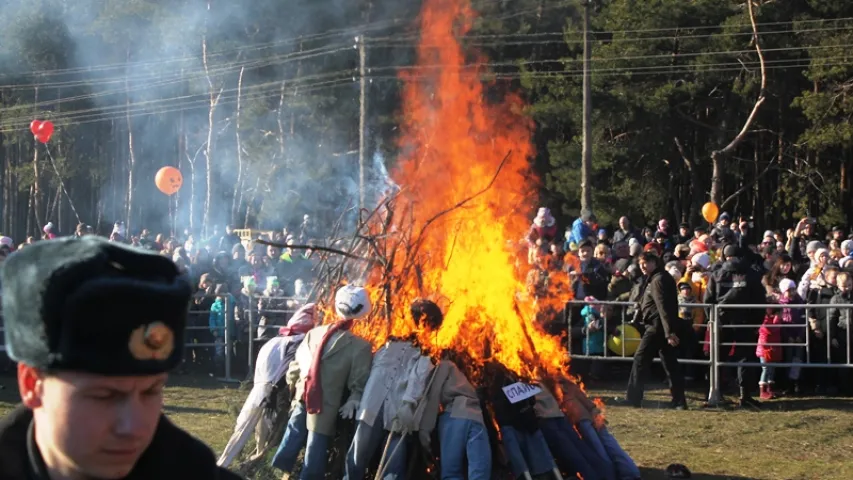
(459, 212)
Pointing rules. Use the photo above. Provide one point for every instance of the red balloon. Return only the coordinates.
(43, 137)
(46, 128)
(34, 126)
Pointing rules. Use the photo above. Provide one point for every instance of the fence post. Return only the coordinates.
(715, 396)
(229, 342)
(251, 334)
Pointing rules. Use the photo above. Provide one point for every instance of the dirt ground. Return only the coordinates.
(799, 438)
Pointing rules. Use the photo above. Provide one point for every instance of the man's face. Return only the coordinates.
(624, 223)
(807, 229)
(684, 232)
(646, 267)
(91, 426)
(256, 260)
(585, 253)
(228, 229)
(273, 252)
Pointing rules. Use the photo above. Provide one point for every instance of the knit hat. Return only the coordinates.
(544, 218)
(352, 302)
(787, 284)
(635, 249)
(90, 305)
(820, 252)
(701, 260)
(846, 246)
(813, 246)
(769, 233)
(47, 228)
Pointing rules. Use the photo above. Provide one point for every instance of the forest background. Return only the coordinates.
(257, 102)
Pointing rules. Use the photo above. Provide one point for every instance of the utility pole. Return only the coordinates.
(586, 160)
(362, 114)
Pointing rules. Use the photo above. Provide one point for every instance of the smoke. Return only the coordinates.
(137, 68)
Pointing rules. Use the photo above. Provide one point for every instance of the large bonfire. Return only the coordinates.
(466, 193)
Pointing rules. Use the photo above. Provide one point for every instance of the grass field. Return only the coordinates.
(803, 438)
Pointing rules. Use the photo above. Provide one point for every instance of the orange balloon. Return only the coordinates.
(710, 211)
(169, 180)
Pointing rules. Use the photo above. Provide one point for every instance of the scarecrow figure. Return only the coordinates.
(330, 361)
(389, 407)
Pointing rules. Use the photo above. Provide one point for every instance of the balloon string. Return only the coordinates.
(61, 183)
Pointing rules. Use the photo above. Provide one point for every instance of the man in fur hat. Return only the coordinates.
(95, 328)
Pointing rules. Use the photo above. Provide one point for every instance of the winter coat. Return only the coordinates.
(546, 234)
(770, 333)
(840, 319)
(345, 365)
(792, 316)
(399, 374)
(450, 392)
(580, 231)
(659, 303)
(593, 342)
(814, 279)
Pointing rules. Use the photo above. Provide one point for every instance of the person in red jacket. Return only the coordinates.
(768, 351)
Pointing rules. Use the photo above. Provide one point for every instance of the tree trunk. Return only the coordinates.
(211, 115)
(238, 188)
(131, 157)
(718, 157)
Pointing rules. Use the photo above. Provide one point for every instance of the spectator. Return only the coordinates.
(658, 311)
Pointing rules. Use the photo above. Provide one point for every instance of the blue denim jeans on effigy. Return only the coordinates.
(589, 435)
(571, 454)
(295, 437)
(527, 452)
(461, 438)
(768, 371)
(626, 469)
(366, 442)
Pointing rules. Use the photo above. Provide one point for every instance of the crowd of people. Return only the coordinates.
(237, 283)
(796, 266)
(799, 273)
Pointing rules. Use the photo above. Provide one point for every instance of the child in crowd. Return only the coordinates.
(840, 324)
(768, 351)
(686, 297)
(793, 331)
(218, 320)
(593, 329)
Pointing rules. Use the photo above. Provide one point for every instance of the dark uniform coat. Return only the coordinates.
(173, 454)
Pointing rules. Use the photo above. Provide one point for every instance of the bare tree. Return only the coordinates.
(238, 188)
(718, 157)
(208, 151)
(131, 156)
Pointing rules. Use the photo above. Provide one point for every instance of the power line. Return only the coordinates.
(175, 104)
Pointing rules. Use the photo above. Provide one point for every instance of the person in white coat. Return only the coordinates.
(397, 384)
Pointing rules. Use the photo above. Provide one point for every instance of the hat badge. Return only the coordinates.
(155, 341)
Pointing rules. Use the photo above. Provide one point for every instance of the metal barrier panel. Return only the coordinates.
(835, 313)
(255, 311)
(708, 327)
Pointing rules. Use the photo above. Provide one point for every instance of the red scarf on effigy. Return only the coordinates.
(313, 389)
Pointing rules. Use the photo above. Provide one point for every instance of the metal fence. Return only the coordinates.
(834, 341)
(250, 321)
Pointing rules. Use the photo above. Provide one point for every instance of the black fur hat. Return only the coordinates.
(87, 304)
